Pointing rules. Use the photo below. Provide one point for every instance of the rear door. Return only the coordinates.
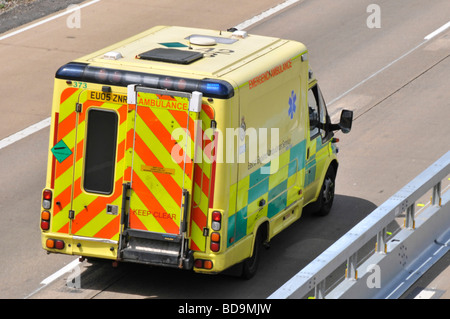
(63, 150)
(162, 168)
(88, 179)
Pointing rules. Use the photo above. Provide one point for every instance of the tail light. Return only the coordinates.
(50, 243)
(205, 264)
(45, 220)
(215, 237)
(55, 244)
(216, 222)
(47, 199)
(198, 263)
(59, 244)
(215, 242)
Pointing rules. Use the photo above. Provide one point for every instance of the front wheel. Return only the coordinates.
(326, 195)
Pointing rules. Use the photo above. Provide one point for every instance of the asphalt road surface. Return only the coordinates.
(394, 79)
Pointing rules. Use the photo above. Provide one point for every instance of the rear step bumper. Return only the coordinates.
(155, 249)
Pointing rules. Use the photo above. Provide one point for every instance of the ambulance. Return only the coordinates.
(186, 148)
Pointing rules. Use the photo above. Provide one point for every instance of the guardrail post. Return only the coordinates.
(319, 290)
(410, 223)
(381, 245)
(351, 272)
(436, 196)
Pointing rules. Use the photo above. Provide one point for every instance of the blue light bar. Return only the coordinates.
(72, 71)
(210, 87)
(83, 72)
(213, 87)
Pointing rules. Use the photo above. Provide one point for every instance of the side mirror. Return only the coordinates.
(345, 123)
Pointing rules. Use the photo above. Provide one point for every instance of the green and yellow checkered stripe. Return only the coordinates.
(260, 194)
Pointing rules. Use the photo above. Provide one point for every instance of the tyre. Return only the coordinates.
(326, 195)
(250, 265)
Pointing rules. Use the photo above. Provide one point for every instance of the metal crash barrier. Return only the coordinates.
(396, 260)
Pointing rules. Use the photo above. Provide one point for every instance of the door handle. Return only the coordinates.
(185, 210)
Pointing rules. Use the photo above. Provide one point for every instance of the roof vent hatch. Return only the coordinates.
(171, 56)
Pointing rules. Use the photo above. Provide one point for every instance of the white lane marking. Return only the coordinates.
(24, 133)
(426, 39)
(375, 74)
(265, 14)
(437, 31)
(425, 294)
(31, 26)
(46, 122)
(68, 268)
(61, 272)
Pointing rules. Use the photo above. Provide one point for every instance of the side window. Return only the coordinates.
(317, 112)
(100, 157)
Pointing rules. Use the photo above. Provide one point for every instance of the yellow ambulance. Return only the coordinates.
(186, 148)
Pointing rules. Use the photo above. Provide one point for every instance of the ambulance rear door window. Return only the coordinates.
(101, 140)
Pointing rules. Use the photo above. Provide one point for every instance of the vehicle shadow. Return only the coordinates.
(289, 252)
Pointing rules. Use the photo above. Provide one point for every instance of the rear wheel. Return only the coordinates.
(326, 195)
(250, 265)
